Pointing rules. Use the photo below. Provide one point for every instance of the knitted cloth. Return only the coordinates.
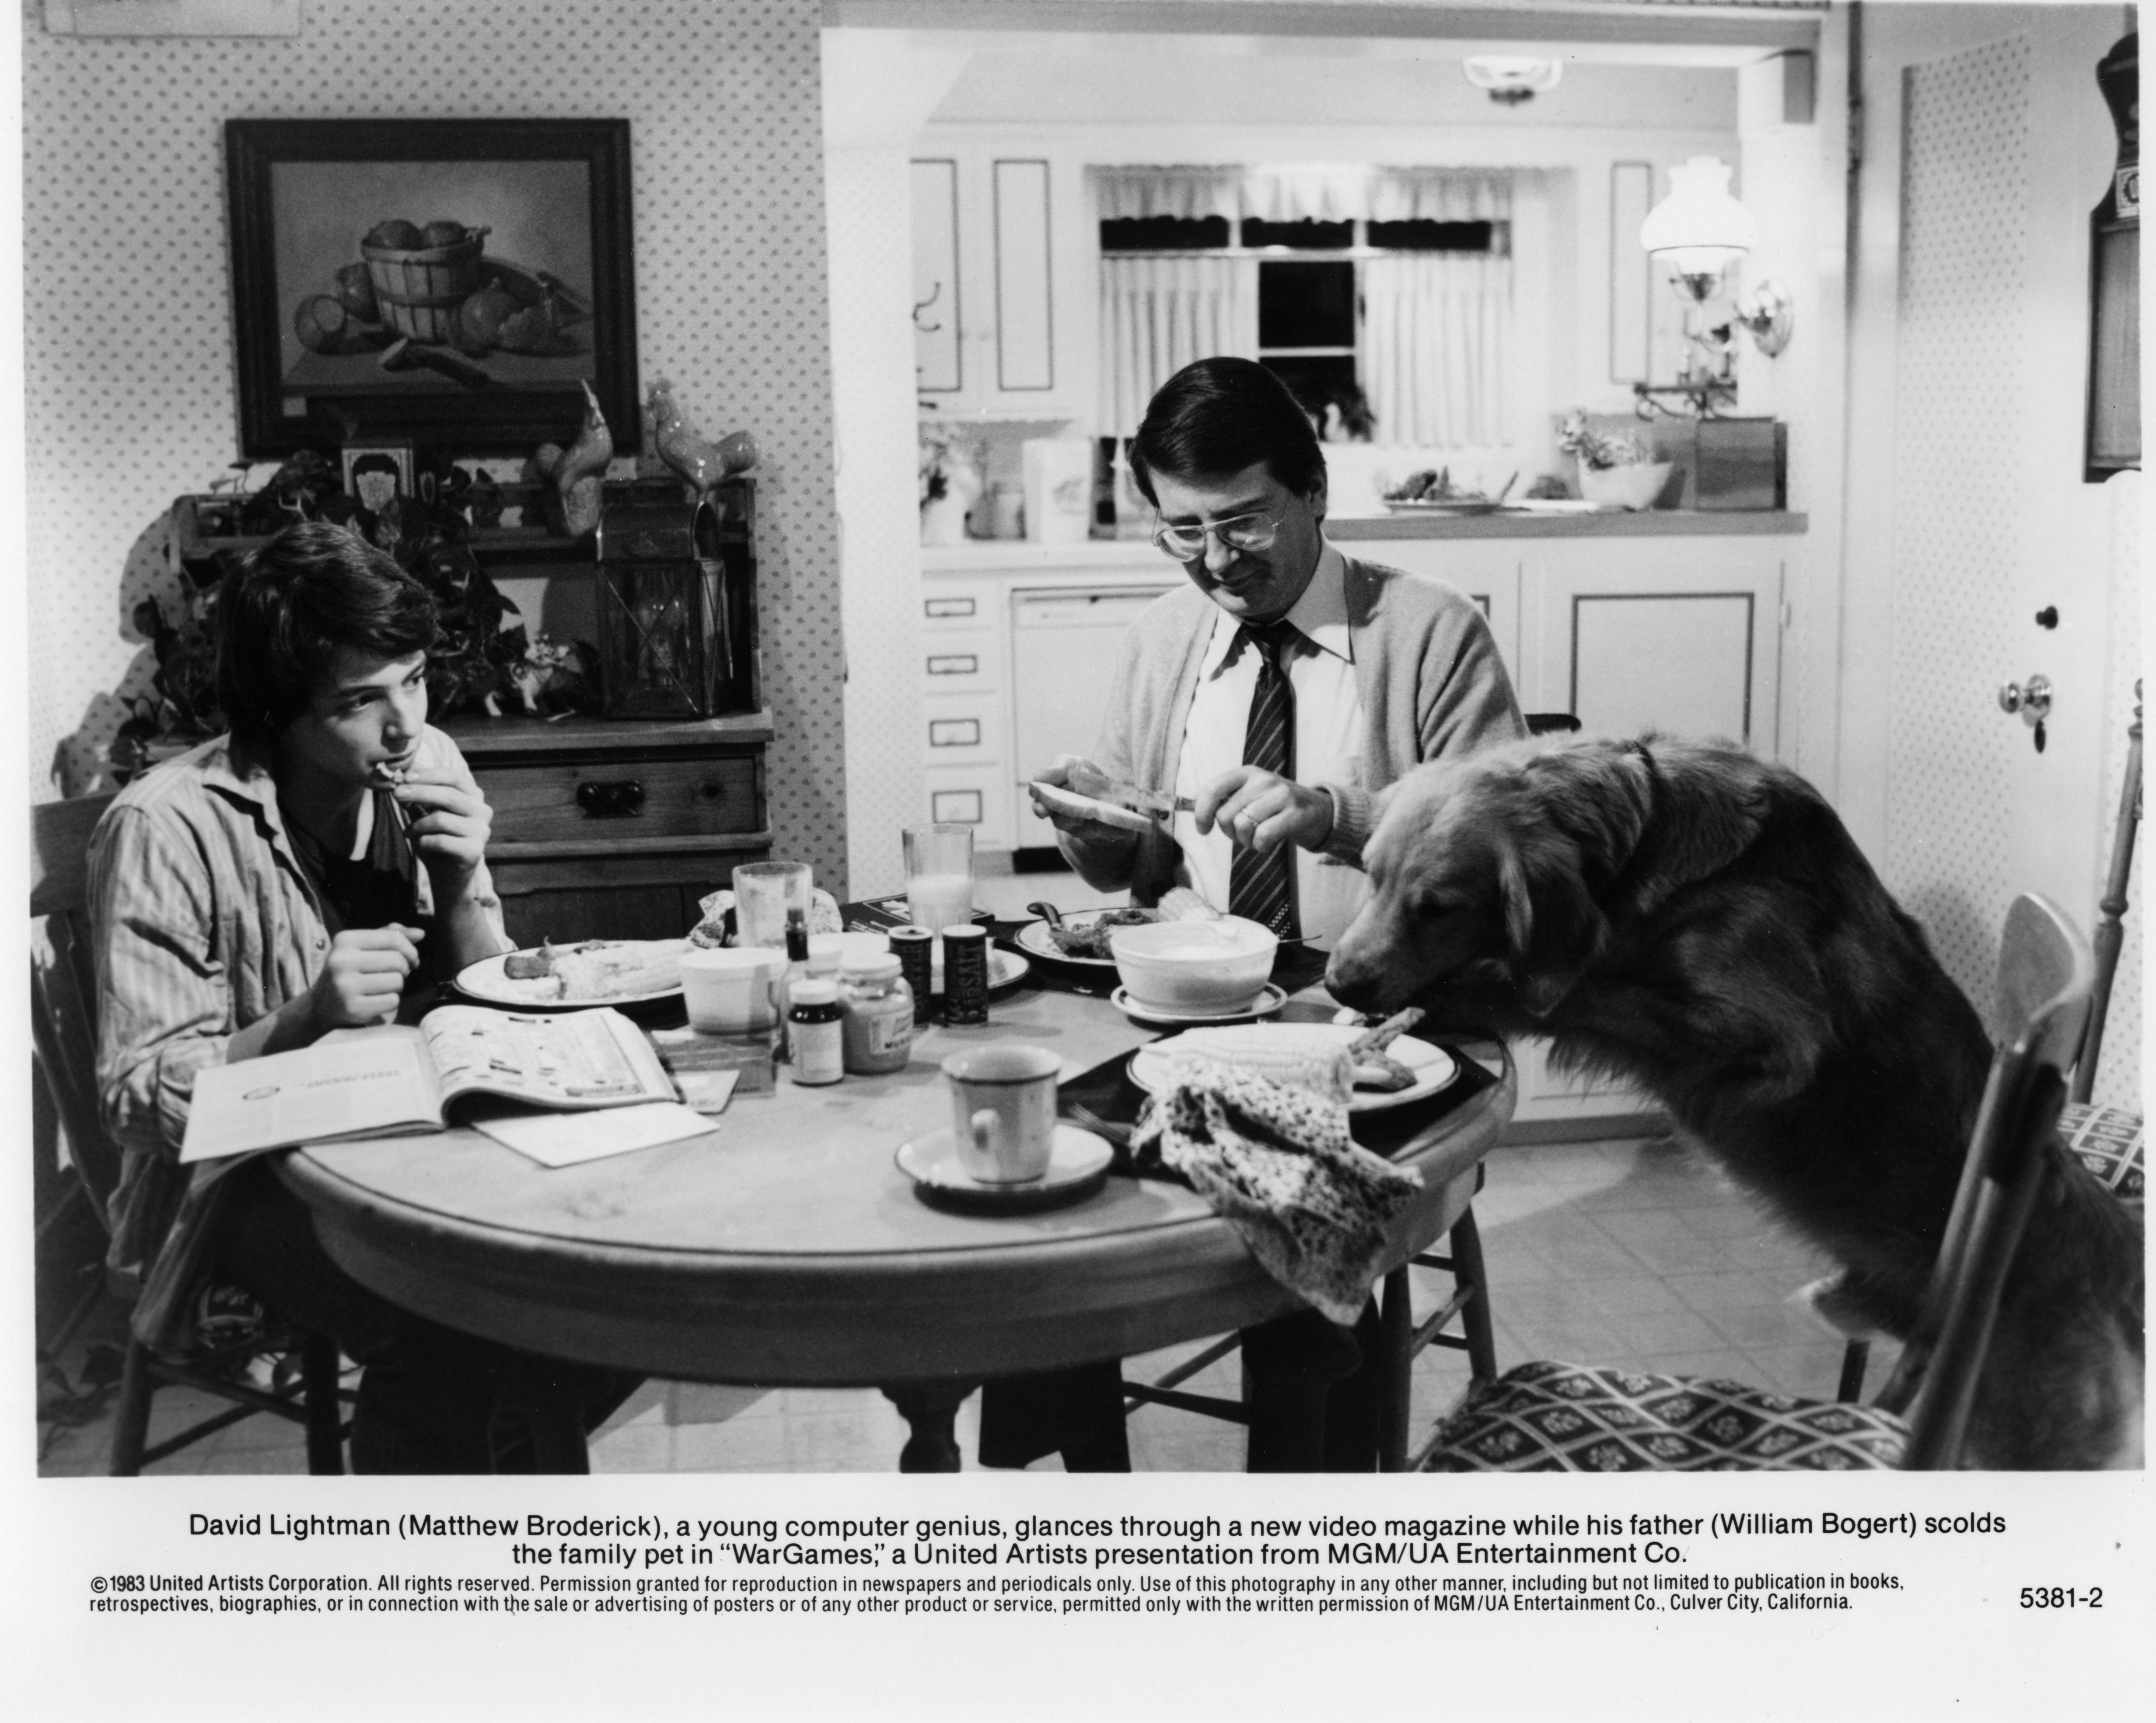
(1277, 1164)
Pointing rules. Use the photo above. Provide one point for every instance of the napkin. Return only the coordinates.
(1276, 1162)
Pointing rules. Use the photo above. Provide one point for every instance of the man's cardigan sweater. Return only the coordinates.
(1426, 668)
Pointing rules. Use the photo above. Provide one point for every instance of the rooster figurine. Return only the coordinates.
(682, 447)
(577, 469)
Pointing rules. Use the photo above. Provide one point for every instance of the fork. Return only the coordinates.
(1085, 1117)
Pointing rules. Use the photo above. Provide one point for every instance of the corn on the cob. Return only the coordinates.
(626, 966)
(1285, 1053)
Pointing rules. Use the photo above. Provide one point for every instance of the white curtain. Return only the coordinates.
(1157, 314)
(1436, 334)
(1306, 191)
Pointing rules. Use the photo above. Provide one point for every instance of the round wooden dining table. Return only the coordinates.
(785, 1248)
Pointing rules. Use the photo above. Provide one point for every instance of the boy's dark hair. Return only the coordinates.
(1218, 416)
(286, 610)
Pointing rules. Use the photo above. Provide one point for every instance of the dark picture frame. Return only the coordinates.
(343, 334)
(2111, 435)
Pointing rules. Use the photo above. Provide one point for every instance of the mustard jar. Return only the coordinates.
(879, 1016)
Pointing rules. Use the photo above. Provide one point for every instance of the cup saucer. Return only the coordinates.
(1270, 1001)
(1077, 1162)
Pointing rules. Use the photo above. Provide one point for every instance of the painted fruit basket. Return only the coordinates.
(419, 290)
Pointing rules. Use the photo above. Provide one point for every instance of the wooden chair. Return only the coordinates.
(1546, 1415)
(63, 1036)
(2107, 1140)
(1399, 1339)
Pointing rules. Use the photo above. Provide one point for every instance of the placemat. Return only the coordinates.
(1107, 1092)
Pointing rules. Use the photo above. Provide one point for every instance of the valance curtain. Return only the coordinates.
(1157, 314)
(1326, 192)
(1437, 334)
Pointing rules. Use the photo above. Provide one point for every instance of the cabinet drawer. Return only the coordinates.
(976, 796)
(618, 800)
(961, 731)
(958, 662)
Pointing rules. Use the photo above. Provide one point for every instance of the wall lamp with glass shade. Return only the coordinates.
(1697, 232)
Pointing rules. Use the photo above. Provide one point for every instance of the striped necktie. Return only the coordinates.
(1262, 887)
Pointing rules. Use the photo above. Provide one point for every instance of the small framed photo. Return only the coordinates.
(376, 473)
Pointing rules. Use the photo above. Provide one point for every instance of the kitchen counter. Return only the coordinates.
(1017, 555)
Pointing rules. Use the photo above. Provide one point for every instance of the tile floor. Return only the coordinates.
(1621, 1253)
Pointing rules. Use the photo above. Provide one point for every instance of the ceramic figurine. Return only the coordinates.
(578, 471)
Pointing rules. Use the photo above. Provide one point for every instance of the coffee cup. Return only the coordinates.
(1002, 1111)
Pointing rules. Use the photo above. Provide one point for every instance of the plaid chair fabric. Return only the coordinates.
(1547, 1416)
(2108, 1141)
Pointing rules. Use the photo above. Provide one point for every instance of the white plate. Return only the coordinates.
(1076, 1160)
(1432, 1066)
(1006, 969)
(1270, 1001)
(1422, 506)
(1562, 506)
(484, 981)
(1035, 938)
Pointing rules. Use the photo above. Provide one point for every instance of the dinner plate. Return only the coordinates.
(1432, 1066)
(1564, 505)
(1270, 1001)
(1035, 938)
(484, 981)
(1006, 969)
(1419, 506)
(1077, 1162)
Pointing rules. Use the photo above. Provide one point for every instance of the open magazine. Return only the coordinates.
(379, 1081)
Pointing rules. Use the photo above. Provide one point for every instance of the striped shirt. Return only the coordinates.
(204, 922)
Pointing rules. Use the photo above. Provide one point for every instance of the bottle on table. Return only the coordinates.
(797, 970)
(817, 1028)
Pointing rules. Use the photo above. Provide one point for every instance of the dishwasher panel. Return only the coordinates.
(1065, 644)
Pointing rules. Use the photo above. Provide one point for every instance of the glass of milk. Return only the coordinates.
(939, 876)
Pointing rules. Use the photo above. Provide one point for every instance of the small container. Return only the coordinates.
(879, 1021)
(966, 974)
(827, 953)
(914, 948)
(818, 1034)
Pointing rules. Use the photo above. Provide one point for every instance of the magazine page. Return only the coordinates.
(369, 1080)
(565, 1060)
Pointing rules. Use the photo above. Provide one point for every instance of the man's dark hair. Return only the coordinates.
(286, 610)
(1216, 417)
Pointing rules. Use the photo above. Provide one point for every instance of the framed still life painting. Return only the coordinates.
(451, 282)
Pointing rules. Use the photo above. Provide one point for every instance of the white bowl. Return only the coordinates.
(1635, 487)
(1195, 966)
(727, 988)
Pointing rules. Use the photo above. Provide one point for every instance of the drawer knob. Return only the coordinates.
(610, 801)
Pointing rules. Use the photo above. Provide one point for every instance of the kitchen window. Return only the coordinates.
(1173, 288)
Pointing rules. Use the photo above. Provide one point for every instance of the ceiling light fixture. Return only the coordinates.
(1512, 79)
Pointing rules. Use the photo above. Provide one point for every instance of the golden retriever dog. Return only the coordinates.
(1697, 922)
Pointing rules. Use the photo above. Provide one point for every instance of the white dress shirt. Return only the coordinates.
(1328, 745)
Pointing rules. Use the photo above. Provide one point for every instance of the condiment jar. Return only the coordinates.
(818, 1032)
(879, 1016)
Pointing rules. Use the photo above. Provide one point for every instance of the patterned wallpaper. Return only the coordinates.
(1961, 373)
(128, 372)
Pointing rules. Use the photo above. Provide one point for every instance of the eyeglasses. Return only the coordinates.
(1240, 532)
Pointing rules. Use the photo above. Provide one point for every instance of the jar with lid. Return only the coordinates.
(818, 1032)
(879, 1016)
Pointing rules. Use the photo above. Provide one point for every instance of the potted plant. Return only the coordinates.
(950, 483)
(1615, 467)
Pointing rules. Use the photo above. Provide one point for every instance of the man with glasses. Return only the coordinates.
(1281, 689)
(1278, 692)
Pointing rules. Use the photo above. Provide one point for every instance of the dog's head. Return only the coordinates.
(1491, 869)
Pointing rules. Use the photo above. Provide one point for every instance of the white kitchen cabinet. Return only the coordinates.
(992, 335)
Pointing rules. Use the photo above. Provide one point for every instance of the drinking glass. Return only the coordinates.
(939, 876)
(763, 892)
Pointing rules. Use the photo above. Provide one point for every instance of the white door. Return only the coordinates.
(1977, 554)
